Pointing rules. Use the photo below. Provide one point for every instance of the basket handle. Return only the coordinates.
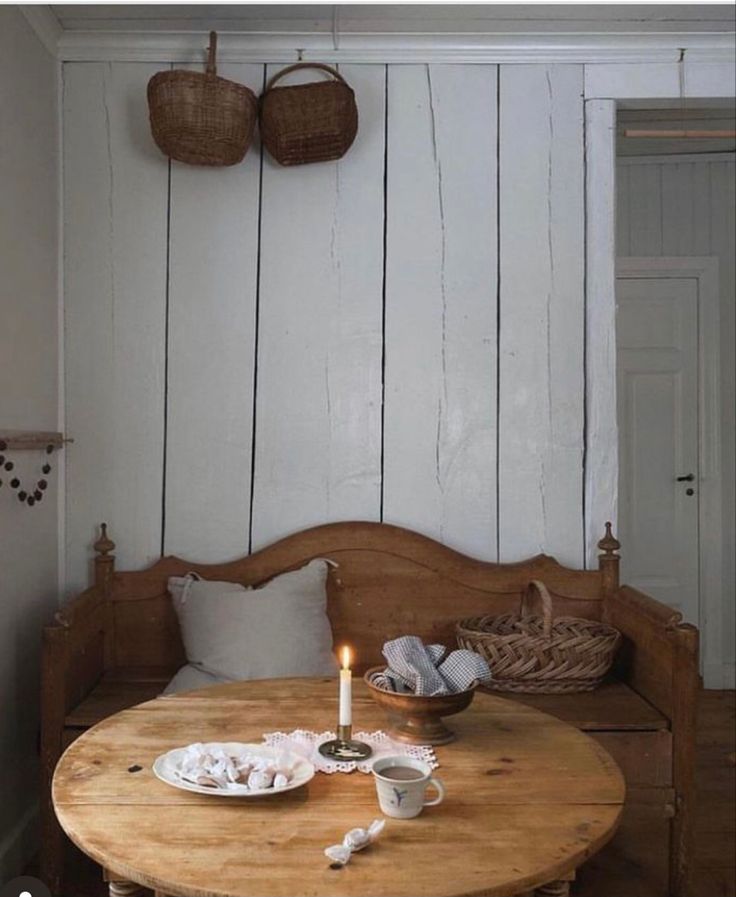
(538, 586)
(212, 54)
(305, 65)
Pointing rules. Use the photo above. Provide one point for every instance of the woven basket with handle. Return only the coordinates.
(531, 653)
(314, 122)
(200, 118)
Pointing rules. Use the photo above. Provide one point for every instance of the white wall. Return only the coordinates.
(688, 208)
(254, 350)
(28, 401)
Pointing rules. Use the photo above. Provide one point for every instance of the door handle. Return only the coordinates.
(686, 479)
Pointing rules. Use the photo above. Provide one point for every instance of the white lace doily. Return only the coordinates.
(306, 744)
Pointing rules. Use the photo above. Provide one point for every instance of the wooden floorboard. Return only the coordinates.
(715, 850)
(715, 840)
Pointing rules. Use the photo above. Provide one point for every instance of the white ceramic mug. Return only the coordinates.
(401, 783)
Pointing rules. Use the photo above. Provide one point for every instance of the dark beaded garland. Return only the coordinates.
(37, 493)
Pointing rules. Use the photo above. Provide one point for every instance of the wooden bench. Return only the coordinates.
(118, 643)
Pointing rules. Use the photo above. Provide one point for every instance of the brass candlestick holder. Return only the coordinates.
(344, 747)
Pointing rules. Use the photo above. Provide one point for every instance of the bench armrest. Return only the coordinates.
(72, 663)
(74, 649)
(659, 660)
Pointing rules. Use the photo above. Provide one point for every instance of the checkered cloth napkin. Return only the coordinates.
(425, 670)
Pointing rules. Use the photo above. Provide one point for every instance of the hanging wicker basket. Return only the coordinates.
(531, 653)
(200, 118)
(314, 122)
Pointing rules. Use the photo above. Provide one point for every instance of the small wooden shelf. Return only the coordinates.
(19, 440)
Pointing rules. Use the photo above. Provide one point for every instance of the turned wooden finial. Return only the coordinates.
(609, 544)
(104, 545)
(608, 562)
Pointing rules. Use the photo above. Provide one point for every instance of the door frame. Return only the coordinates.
(704, 270)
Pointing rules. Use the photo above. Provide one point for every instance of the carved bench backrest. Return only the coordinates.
(390, 581)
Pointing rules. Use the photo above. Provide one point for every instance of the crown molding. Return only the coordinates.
(189, 47)
(45, 24)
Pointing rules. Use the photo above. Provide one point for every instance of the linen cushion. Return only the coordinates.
(232, 632)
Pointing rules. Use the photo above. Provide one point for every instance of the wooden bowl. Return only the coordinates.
(417, 719)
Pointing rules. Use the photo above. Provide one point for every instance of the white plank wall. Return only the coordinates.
(212, 318)
(232, 334)
(115, 209)
(318, 414)
(690, 210)
(441, 272)
(541, 395)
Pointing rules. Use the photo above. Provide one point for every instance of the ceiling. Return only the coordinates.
(402, 18)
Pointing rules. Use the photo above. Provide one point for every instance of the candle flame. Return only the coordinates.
(345, 657)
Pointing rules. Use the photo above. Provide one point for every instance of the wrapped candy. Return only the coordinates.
(261, 778)
(214, 767)
(356, 839)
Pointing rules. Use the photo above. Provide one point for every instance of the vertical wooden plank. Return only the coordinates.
(115, 210)
(677, 208)
(441, 272)
(542, 312)
(622, 209)
(318, 418)
(601, 444)
(645, 198)
(723, 239)
(701, 210)
(211, 351)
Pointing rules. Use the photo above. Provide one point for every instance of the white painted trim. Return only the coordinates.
(711, 55)
(43, 21)
(712, 76)
(720, 676)
(61, 338)
(493, 48)
(676, 158)
(20, 844)
(704, 269)
(664, 79)
(601, 428)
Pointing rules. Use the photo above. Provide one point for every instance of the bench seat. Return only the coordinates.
(117, 690)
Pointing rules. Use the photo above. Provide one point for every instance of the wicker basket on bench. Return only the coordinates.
(531, 653)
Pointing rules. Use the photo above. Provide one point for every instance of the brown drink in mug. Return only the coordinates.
(401, 784)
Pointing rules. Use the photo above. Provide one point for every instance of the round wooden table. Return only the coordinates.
(529, 798)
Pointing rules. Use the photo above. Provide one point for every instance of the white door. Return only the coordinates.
(657, 350)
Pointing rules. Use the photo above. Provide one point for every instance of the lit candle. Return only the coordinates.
(345, 716)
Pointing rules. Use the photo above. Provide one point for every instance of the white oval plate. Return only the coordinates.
(165, 767)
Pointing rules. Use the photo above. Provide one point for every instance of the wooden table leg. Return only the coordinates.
(124, 889)
(119, 887)
(559, 888)
(554, 889)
